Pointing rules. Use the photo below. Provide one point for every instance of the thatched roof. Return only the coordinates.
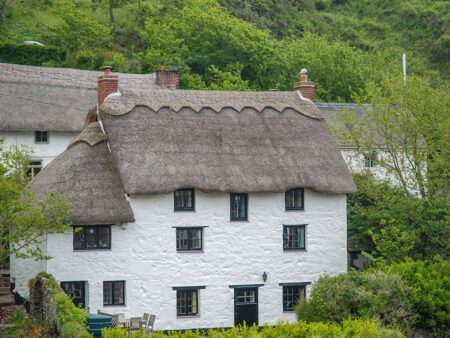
(222, 141)
(87, 176)
(53, 99)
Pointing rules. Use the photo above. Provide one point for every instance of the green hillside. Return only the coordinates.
(241, 45)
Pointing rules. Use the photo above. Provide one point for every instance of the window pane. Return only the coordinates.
(184, 199)
(91, 238)
(294, 237)
(78, 238)
(294, 199)
(196, 239)
(182, 239)
(238, 206)
(119, 293)
(107, 293)
(103, 237)
(194, 302)
(181, 302)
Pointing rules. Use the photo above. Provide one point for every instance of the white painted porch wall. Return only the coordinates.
(144, 255)
(46, 152)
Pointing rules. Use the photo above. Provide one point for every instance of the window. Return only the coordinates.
(114, 293)
(184, 200)
(41, 137)
(246, 296)
(294, 237)
(92, 237)
(294, 199)
(189, 239)
(34, 167)
(187, 302)
(292, 295)
(76, 291)
(370, 160)
(238, 207)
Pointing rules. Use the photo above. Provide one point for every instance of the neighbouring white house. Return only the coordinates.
(43, 108)
(205, 208)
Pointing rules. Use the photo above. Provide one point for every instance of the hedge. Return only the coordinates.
(33, 55)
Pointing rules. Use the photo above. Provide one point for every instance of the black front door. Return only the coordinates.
(246, 306)
(76, 291)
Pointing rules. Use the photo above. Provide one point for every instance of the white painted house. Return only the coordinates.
(205, 208)
(43, 108)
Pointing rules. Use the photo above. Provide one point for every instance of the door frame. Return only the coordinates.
(252, 287)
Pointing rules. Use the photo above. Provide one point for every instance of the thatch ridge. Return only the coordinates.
(87, 176)
(197, 100)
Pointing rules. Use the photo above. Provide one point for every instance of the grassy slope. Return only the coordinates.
(421, 27)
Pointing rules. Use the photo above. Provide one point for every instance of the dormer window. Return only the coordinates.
(184, 200)
(294, 199)
(41, 137)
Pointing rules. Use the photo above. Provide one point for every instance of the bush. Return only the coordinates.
(31, 54)
(429, 294)
(369, 295)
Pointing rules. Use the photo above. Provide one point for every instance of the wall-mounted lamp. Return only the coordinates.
(264, 276)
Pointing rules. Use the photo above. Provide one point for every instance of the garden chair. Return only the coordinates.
(149, 322)
(135, 324)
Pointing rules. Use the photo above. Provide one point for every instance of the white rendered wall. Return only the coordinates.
(46, 152)
(144, 255)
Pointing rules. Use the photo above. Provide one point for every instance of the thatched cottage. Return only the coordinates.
(205, 208)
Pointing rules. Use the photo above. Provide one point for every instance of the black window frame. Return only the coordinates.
(40, 135)
(297, 226)
(84, 229)
(34, 167)
(185, 291)
(76, 299)
(287, 196)
(232, 206)
(301, 291)
(113, 282)
(189, 248)
(370, 160)
(183, 208)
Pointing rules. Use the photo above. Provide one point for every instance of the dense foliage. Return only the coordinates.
(393, 226)
(411, 296)
(369, 295)
(215, 49)
(348, 329)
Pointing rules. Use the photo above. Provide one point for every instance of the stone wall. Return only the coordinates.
(42, 303)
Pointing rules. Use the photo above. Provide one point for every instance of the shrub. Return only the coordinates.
(31, 54)
(369, 295)
(430, 293)
(348, 329)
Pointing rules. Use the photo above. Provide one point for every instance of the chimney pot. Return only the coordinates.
(306, 88)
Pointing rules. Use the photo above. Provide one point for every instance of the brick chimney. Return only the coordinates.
(169, 79)
(307, 88)
(106, 84)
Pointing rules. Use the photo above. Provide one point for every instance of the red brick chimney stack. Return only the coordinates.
(106, 84)
(169, 79)
(307, 88)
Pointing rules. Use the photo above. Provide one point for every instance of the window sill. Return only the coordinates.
(112, 305)
(184, 210)
(288, 311)
(238, 220)
(284, 249)
(187, 316)
(289, 210)
(190, 251)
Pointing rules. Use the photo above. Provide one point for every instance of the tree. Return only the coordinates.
(74, 31)
(111, 5)
(24, 218)
(409, 126)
